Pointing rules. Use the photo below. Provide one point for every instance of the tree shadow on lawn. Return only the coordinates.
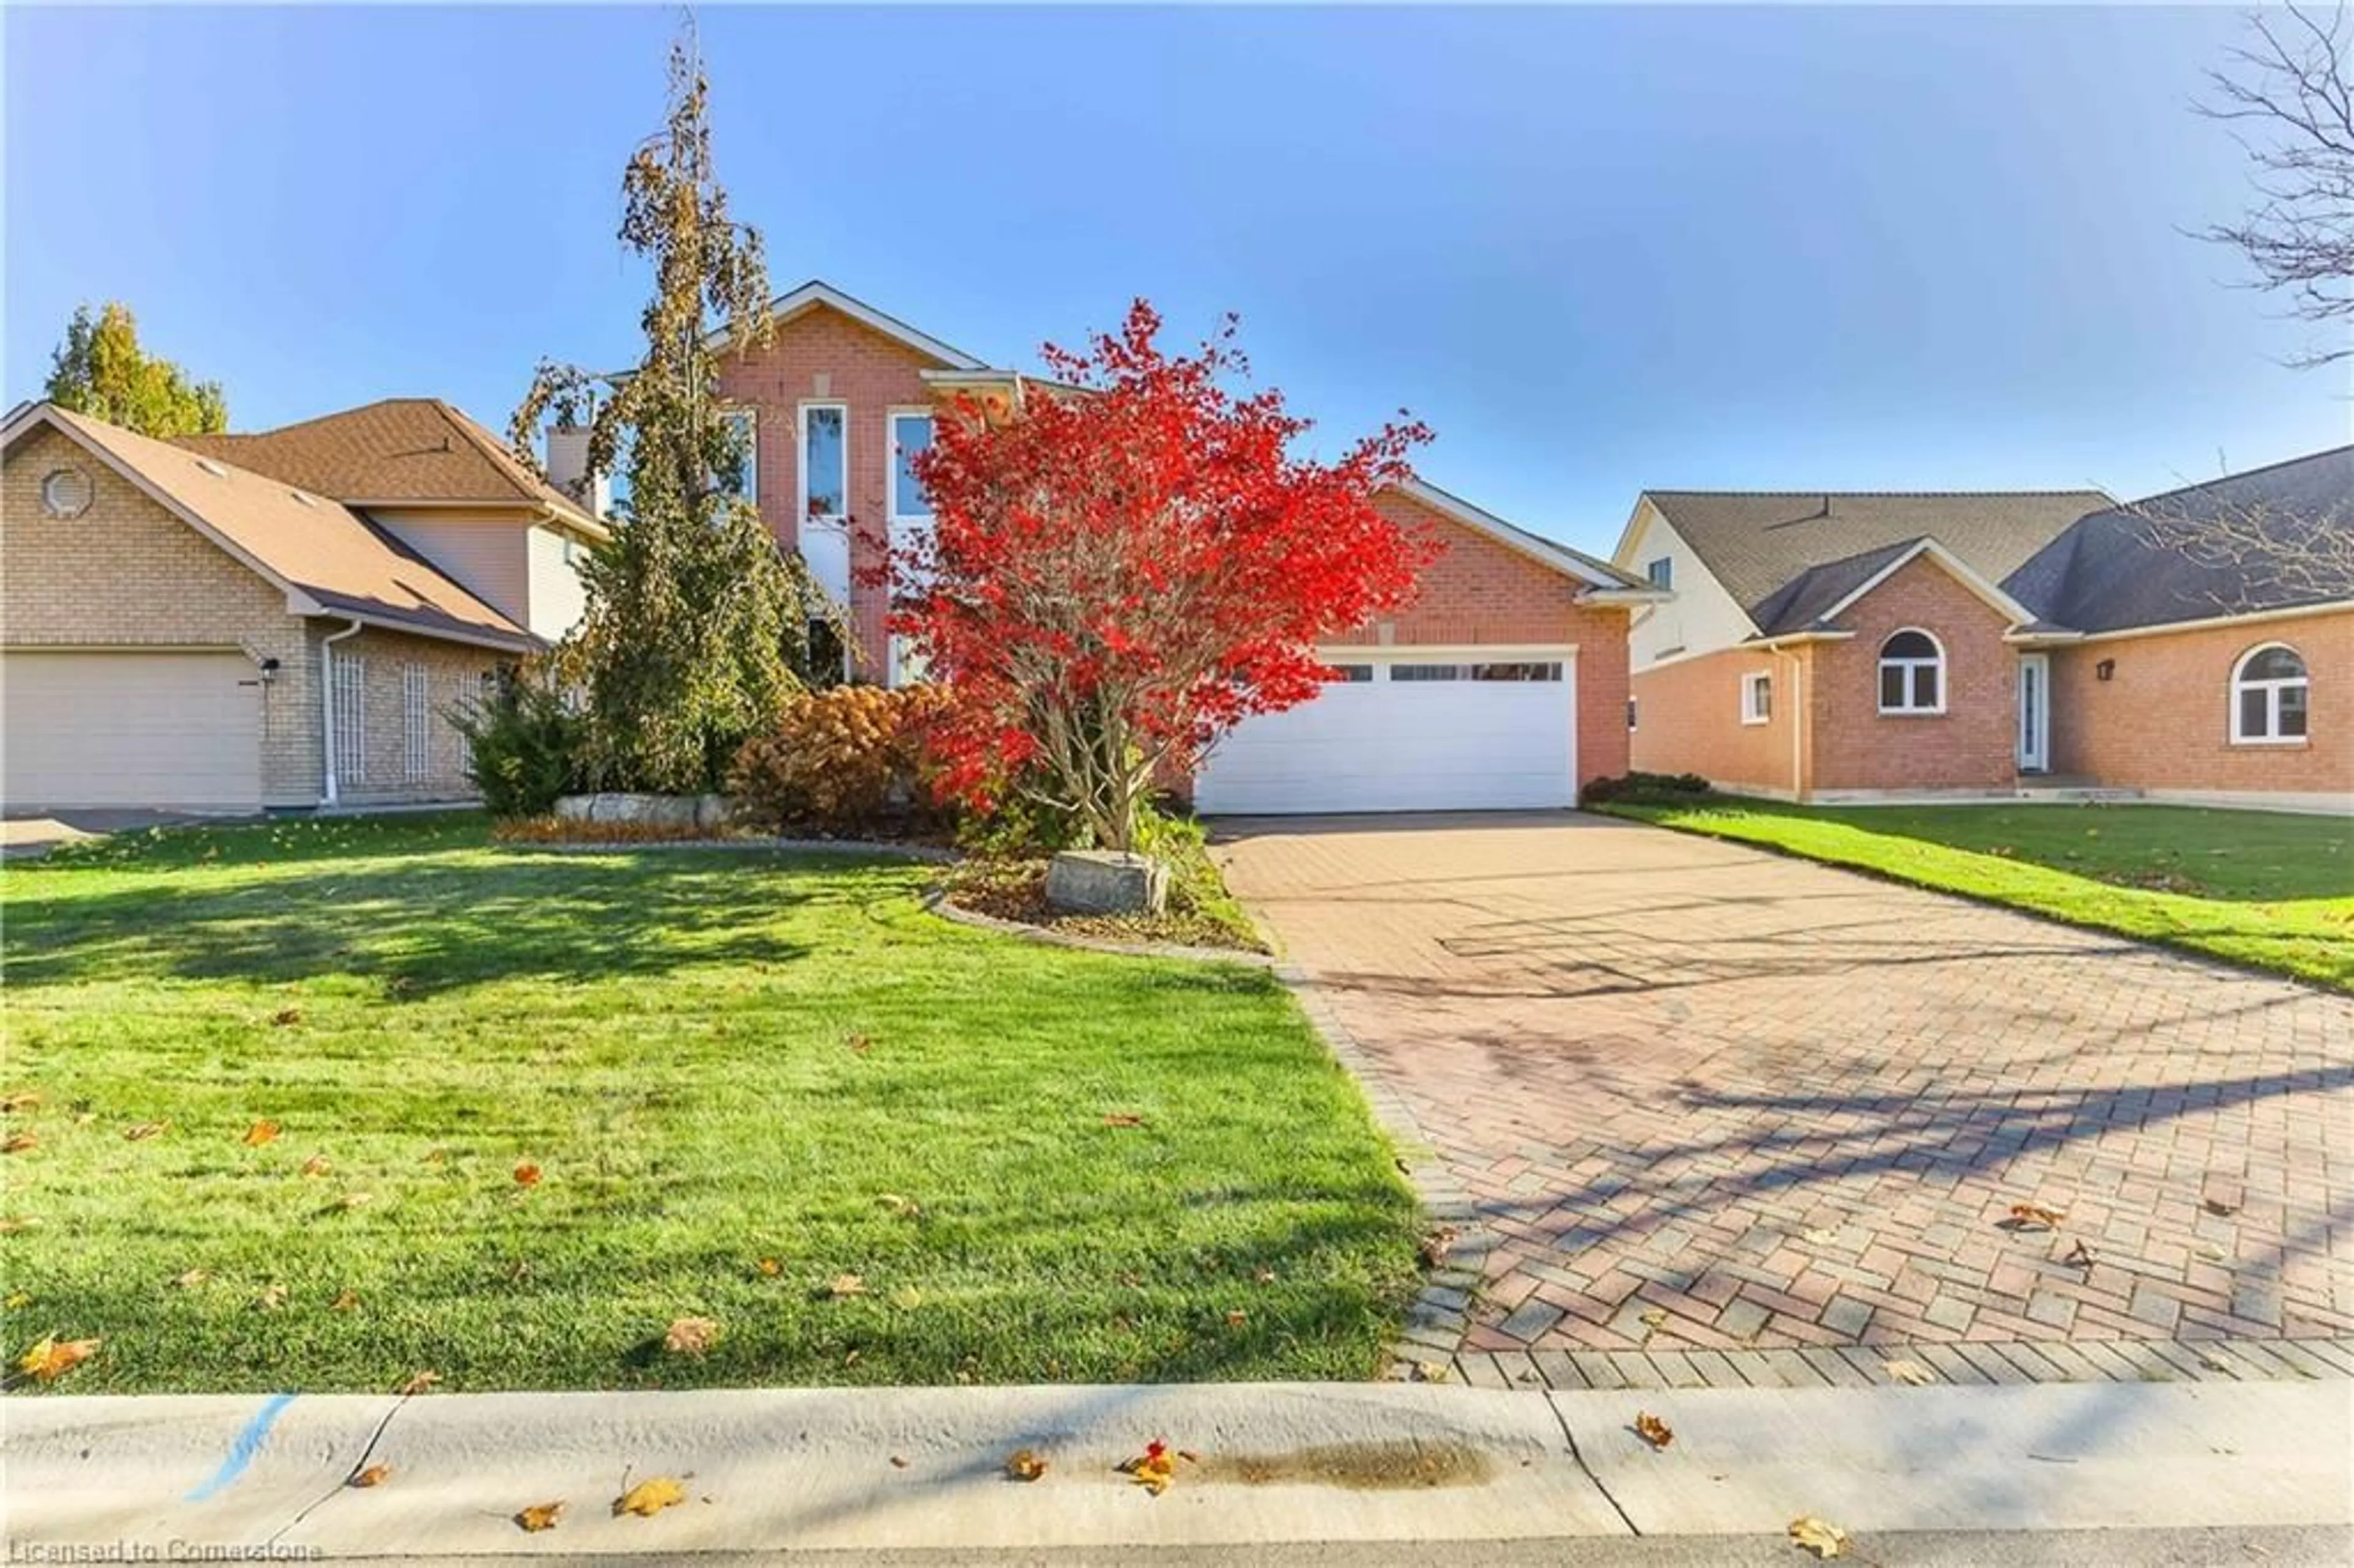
(425, 927)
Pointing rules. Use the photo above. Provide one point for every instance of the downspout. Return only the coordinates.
(330, 790)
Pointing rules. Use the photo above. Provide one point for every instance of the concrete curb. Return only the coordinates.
(923, 1469)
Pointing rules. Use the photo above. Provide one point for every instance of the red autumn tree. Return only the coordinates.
(1125, 563)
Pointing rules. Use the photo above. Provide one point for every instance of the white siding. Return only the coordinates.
(1701, 618)
(558, 598)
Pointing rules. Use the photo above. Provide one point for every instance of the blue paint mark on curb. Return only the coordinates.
(248, 1442)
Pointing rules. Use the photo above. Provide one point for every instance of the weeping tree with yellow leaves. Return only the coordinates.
(696, 620)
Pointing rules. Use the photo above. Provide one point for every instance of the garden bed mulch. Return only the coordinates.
(1014, 890)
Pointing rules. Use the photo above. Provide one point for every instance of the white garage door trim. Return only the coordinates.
(118, 727)
(1385, 744)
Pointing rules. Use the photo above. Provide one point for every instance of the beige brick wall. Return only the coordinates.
(2162, 720)
(128, 573)
(453, 675)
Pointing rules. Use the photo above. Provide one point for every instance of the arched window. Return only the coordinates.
(2268, 693)
(1912, 675)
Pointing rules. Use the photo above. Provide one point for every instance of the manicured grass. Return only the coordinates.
(740, 1074)
(2264, 889)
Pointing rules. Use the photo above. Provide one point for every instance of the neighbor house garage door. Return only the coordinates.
(130, 729)
(1409, 730)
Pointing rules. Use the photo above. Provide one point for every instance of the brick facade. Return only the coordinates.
(1688, 719)
(1973, 745)
(822, 355)
(128, 573)
(2161, 722)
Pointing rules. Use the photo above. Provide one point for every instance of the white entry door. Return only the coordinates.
(1409, 730)
(2034, 713)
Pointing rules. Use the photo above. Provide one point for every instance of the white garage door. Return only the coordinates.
(1409, 731)
(130, 729)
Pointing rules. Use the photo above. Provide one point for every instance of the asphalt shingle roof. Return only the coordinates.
(2165, 559)
(1757, 542)
(400, 448)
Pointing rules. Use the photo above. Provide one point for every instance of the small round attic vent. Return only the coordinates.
(66, 493)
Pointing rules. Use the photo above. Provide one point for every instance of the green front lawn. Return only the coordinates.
(2269, 890)
(741, 1076)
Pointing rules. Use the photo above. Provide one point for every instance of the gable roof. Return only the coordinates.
(326, 558)
(2161, 560)
(816, 292)
(1600, 576)
(395, 451)
(1756, 542)
(1812, 600)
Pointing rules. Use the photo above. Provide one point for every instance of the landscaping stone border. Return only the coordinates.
(937, 901)
(1440, 1316)
(929, 854)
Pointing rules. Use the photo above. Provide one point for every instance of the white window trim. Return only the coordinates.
(2271, 688)
(750, 413)
(1881, 664)
(801, 518)
(891, 418)
(1753, 681)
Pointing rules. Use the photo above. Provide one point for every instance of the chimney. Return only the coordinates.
(568, 470)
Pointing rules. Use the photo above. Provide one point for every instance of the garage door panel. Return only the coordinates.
(86, 728)
(1395, 746)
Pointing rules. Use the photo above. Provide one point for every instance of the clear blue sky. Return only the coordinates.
(1599, 250)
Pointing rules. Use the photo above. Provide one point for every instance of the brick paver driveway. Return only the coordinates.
(1703, 1102)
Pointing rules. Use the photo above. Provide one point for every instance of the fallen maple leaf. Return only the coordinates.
(23, 1099)
(770, 1268)
(691, 1336)
(1022, 1465)
(20, 1141)
(344, 1301)
(1236, 1319)
(18, 1300)
(139, 1132)
(842, 1285)
(52, 1358)
(418, 1383)
(260, 1132)
(272, 1298)
(374, 1476)
(859, 1043)
(316, 1165)
(2036, 1215)
(539, 1516)
(1913, 1373)
(286, 1016)
(649, 1498)
(1264, 1277)
(526, 1174)
(2079, 1255)
(1123, 1118)
(1653, 1430)
(906, 1208)
(1154, 1468)
(1822, 1540)
(193, 1279)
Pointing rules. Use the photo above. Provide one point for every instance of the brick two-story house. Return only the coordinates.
(1505, 684)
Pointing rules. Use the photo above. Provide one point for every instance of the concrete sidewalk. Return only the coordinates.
(905, 1471)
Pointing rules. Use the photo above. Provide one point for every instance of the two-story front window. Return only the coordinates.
(825, 495)
(911, 519)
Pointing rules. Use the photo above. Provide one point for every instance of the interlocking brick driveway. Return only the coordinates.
(1704, 1099)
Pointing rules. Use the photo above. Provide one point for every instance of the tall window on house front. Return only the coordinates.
(746, 425)
(350, 739)
(825, 462)
(911, 517)
(1912, 675)
(416, 724)
(2269, 688)
(1756, 697)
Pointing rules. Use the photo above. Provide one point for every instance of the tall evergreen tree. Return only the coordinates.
(100, 370)
(696, 618)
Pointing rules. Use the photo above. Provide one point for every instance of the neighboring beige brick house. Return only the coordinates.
(282, 620)
(2197, 646)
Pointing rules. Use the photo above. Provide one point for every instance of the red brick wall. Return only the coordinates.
(1690, 720)
(1479, 591)
(1972, 745)
(822, 355)
(2162, 720)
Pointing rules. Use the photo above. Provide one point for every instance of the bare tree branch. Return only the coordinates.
(2291, 87)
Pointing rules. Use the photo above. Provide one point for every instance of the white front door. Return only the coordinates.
(2034, 713)
(1409, 730)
